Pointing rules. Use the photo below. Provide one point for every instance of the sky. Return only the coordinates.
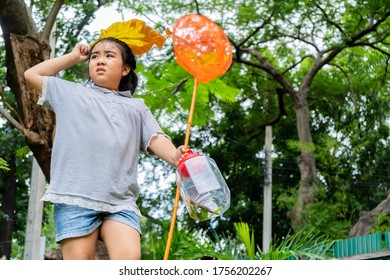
(104, 17)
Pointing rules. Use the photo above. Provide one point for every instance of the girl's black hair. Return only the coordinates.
(130, 81)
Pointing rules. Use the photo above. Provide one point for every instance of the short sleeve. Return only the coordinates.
(150, 129)
(55, 90)
(42, 100)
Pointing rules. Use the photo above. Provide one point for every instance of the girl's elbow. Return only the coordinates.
(33, 79)
(28, 74)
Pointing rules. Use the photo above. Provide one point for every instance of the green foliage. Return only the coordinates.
(248, 237)
(332, 213)
(23, 152)
(188, 244)
(3, 165)
(197, 245)
(222, 91)
(48, 227)
(305, 244)
(216, 246)
(169, 91)
(296, 146)
(381, 223)
(287, 198)
(10, 141)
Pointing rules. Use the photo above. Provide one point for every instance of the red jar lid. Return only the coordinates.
(181, 167)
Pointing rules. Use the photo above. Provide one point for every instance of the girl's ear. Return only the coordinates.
(126, 70)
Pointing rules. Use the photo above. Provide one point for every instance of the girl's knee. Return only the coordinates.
(77, 255)
(80, 248)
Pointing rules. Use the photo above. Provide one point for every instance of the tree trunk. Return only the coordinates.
(306, 160)
(367, 219)
(24, 50)
(306, 164)
(8, 194)
(27, 52)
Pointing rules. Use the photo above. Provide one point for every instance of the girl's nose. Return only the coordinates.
(101, 61)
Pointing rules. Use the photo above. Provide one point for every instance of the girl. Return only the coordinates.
(100, 129)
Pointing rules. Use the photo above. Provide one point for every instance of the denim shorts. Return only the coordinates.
(75, 221)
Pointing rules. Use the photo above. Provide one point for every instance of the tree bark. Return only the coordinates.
(306, 163)
(28, 52)
(367, 219)
(24, 50)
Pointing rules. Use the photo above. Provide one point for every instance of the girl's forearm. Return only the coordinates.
(164, 149)
(52, 66)
(35, 75)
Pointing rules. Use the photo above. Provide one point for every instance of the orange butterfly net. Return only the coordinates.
(202, 48)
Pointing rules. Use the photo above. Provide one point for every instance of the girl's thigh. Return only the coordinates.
(122, 241)
(80, 248)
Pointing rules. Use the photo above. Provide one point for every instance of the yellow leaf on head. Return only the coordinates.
(136, 34)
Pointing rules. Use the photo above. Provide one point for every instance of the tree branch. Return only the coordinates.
(354, 96)
(197, 7)
(267, 67)
(102, 3)
(335, 50)
(178, 86)
(373, 47)
(87, 15)
(372, 26)
(282, 112)
(254, 94)
(51, 19)
(295, 64)
(366, 219)
(32, 137)
(9, 118)
(299, 38)
(7, 104)
(268, 20)
(331, 22)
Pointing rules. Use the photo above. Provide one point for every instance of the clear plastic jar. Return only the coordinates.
(202, 187)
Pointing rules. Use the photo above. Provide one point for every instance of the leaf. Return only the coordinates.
(222, 90)
(202, 110)
(3, 165)
(23, 152)
(296, 145)
(136, 34)
(302, 244)
(244, 232)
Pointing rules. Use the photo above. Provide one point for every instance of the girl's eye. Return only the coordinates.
(93, 56)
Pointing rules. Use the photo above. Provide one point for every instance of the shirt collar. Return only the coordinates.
(125, 93)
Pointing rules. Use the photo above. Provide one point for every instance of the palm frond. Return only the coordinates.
(248, 237)
(301, 245)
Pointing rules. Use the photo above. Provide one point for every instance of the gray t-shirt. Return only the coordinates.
(99, 135)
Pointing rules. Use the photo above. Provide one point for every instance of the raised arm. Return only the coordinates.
(51, 67)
